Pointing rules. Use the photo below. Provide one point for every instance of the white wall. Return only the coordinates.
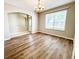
(11, 8)
(17, 23)
(6, 26)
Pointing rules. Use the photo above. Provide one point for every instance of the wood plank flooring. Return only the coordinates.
(38, 46)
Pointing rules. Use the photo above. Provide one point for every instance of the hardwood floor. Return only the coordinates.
(38, 46)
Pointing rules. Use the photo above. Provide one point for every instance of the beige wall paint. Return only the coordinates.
(11, 8)
(70, 22)
(17, 23)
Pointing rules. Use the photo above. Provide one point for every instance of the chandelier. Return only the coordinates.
(39, 7)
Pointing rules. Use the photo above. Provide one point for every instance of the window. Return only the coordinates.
(56, 20)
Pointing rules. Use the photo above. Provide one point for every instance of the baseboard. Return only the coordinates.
(23, 33)
(57, 35)
(15, 35)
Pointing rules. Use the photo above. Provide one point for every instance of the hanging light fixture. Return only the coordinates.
(39, 7)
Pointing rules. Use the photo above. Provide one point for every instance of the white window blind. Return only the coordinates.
(56, 20)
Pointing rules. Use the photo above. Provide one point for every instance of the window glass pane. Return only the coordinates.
(49, 21)
(60, 18)
(56, 20)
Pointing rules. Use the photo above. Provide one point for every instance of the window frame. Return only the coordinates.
(54, 20)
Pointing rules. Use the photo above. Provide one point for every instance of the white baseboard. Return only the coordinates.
(58, 35)
(23, 33)
(16, 34)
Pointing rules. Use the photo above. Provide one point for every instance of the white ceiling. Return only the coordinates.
(30, 4)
